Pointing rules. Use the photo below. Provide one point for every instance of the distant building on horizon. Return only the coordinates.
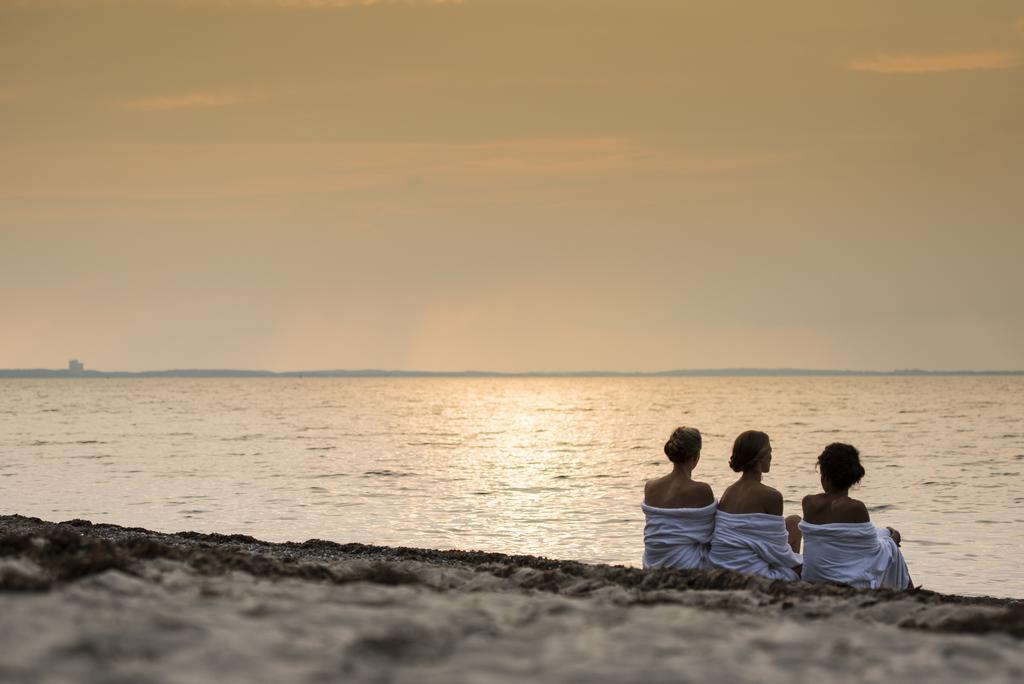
(75, 366)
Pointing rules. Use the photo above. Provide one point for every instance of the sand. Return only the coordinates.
(100, 603)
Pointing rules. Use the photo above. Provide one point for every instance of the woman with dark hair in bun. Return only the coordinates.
(842, 546)
(750, 533)
(679, 511)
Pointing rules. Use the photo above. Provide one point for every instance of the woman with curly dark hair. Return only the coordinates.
(840, 543)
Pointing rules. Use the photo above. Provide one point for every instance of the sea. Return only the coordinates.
(543, 466)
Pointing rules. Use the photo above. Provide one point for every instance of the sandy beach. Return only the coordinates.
(86, 602)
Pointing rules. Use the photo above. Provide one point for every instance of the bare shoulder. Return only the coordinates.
(811, 503)
(816, 509)
(703, 492)
(669, 492)
(651, 484)
(854, 511)
(771, 499)
(706, 488)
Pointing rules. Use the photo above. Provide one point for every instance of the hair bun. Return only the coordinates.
(747, 449)
(683, 445)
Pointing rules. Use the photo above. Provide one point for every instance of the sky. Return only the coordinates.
(511, 185)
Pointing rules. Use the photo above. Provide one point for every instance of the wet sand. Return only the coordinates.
(85, 602)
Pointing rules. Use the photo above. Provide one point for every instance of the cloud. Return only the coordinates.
(296, 4)
(936, 63)
(318, 4)
(360, 3)
(186, 101)
(372, 173)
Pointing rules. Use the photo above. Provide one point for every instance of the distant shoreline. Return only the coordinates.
(43, 373)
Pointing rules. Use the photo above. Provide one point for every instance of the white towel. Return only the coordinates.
(678, 537)
(756, 543)
(857, 554)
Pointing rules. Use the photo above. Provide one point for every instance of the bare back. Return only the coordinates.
(743, 497)
(824, 509)
(675, 491)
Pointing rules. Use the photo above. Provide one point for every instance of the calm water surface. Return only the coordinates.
(542, 466)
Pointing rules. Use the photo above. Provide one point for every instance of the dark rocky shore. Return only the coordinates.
(130, 603)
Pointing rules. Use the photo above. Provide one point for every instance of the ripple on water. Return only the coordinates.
(174, 449)
(243, 438)
(385, 473)
(533, 490)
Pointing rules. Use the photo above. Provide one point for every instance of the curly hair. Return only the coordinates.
(747, 448)
(840, 463)
(683, 445)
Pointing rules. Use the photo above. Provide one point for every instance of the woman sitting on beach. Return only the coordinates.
(680, 512)
(842, 546)
(750, 533)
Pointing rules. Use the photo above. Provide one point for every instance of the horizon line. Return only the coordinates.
(383, 373)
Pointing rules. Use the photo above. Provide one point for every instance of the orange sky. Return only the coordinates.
(511, 185)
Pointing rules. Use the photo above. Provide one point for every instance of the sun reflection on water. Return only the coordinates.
(542, 466)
